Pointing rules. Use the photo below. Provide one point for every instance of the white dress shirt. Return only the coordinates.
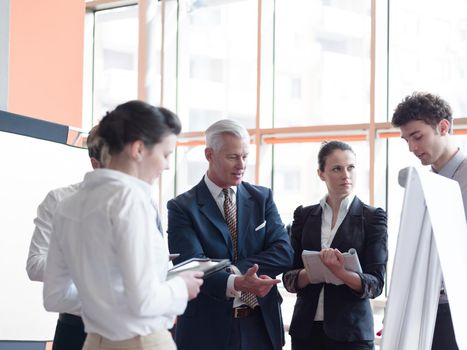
(104, 243)
(219, 197)
(327, 235)
(39, 246)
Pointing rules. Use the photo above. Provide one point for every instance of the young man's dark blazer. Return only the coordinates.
(347, 316)
(196, 228)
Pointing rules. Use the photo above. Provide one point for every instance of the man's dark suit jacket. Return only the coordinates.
(197, 228)
(347, 314)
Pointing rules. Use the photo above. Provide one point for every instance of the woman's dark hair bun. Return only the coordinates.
(137, 120)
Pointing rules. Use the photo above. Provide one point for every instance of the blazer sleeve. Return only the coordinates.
(375, 254)
(276, 255)
(290, 278)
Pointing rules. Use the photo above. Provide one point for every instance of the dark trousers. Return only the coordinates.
(249, 333)
(69, 333)
(443, 336)
(319, 340)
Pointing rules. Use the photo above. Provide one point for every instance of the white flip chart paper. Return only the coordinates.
(431, 245)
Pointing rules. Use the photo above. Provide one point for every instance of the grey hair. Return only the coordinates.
(225, 126)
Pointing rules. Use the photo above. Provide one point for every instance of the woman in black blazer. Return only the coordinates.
(328, 316)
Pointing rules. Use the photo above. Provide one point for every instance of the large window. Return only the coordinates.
(217, 62)
(428, 47)
(295, 73)
(114, 55)
(322, 62)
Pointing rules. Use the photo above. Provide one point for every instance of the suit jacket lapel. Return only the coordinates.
(351, 222)
(209, 208)
(243, 215)
(312, 229)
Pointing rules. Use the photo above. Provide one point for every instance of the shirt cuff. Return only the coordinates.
(230, 291)
(179, 298)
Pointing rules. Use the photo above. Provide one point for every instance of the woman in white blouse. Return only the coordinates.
(107, 259)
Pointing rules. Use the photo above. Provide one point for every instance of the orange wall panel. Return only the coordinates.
(46, 60)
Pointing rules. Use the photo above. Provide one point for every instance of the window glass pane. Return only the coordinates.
(267, 64)
(428, 51)
(164, 189)
(381, 60)
(191, 166)
(461, 141)
(380, 173)
(158, 67)
(170, 60)
(322, 62)
(115, 58)
(153, 46)
(296, 181)
(217, 62)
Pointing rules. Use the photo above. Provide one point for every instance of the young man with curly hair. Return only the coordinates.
(425, 121)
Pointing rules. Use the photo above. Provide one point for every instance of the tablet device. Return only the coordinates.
(208, 266)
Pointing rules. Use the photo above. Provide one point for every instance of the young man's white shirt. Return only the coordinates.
(39, 246)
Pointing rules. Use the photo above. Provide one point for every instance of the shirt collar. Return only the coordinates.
(451, 166)
(215, 190)
(345, 204)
